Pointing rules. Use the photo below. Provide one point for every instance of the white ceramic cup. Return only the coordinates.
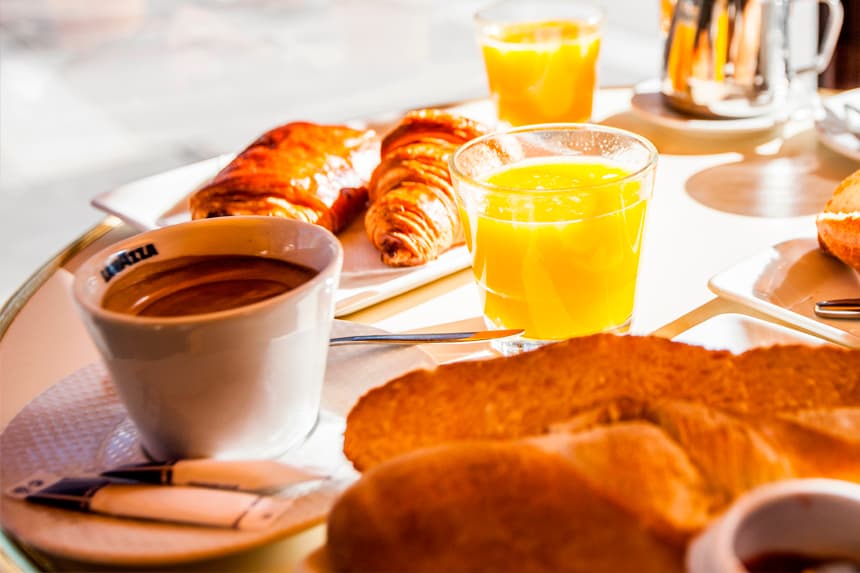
(238, 383)
(813, 517)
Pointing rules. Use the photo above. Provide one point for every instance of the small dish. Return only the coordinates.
(786, 280)
(648, 104)
(789, 520)
(838, 127)
(79, 427)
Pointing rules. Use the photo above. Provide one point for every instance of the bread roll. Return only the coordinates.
(733, 455)
(839, 223)
(622, 486)
(496, 507)
(522, 395)
(600, 454)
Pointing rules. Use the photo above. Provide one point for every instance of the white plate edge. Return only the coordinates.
(717, 285)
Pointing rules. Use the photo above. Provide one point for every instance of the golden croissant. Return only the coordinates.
(413, 215)
(314, 173)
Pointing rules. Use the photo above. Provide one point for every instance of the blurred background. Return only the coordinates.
(94, 93)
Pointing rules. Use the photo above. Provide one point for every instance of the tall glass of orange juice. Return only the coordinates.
(541, 59)
(554, 216)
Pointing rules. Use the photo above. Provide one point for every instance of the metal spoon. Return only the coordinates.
(838, 308)
(475, 336)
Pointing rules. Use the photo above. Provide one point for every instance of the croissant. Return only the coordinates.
(621, 486)
(314, 173)
(413, 215)
(598, 453)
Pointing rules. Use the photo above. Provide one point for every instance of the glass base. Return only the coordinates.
(519, 344)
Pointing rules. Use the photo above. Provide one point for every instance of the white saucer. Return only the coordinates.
(79, 427)
(832, 127)
(648, 104)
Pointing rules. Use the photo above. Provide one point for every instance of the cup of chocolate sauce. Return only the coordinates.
(215, 332)
(787, 526)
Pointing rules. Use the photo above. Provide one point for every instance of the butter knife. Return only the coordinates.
(838, 308)
(424, 338)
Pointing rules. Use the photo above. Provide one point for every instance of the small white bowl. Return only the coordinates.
(814, 517)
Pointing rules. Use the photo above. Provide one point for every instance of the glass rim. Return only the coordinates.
(457, 173)
(593, 14)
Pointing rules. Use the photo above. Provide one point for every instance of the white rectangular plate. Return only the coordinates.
(786, 280)
(739, 333)
(162, 199)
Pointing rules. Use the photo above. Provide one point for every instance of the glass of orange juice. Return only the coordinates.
(553, 217)
(541, 59)
(667, 11)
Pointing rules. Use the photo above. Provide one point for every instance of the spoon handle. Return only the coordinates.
(425, 338)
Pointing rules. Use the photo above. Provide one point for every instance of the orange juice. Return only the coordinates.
(542, 72)
(558, 263)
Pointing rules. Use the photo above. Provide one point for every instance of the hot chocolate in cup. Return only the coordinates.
(790, 525)
(215, 332)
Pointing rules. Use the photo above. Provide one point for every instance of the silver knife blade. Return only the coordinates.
(425, 338)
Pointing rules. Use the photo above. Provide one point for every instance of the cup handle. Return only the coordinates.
(835, 14)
